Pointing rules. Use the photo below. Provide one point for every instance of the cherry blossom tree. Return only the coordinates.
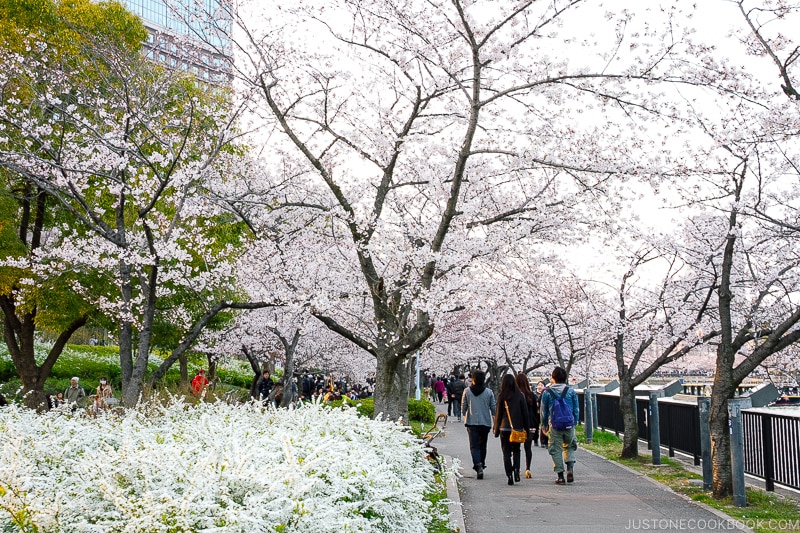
(36, 296)
(427, 135)
(130, 156)
(745, 190)
(655, 324)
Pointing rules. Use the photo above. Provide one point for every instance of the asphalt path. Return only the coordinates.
(605, 497)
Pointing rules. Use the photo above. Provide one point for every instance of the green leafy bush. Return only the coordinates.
(7, 370)
(235, 378)
(421, 410)
(418, 410)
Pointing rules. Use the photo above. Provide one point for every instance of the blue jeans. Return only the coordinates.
(478, 439)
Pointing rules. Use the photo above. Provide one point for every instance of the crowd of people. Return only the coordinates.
(547, 415)
(308, 387)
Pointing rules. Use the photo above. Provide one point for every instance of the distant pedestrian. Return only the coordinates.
(533, 422)
(562, 441)
(477, 407)
(542, 434)
(440, 388)
(512, 413)
(449, 394)
(457, 392)
(74, 394)
(265, 388)
(103, 396)
(200, 382)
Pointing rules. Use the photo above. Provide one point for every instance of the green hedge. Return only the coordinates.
(418, 410)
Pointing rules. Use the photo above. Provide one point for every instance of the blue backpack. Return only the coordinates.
(561, 414)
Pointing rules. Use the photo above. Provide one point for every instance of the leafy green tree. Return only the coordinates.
(135, 157)
(35, 293)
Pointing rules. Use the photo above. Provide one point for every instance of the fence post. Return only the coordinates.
(768, 456)
(737, 451)
(703, 406)
(595, 410)
(588, 422)
(655, 434)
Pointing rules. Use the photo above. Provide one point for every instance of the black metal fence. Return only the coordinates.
(771, 440)
(772, 447)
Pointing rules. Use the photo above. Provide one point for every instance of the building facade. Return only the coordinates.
(174, 28)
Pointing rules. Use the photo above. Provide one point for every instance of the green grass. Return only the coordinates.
(90, 363)
(440, 514)
(765, 512)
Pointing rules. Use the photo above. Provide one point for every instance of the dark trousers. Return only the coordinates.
(528, 450)
(478, 439)
(511, 453)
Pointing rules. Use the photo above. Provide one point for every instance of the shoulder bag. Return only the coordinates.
(516, 436)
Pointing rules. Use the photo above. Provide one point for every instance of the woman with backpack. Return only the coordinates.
(559, 416)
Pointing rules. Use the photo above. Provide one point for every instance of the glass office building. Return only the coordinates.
(174, 26)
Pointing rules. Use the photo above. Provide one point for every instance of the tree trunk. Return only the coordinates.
(212, 370)
(126, 330)
(627, 407)
(288, 378)
(720, 448)
(20, 337)
(391, 387)
(183, 363)
(411, 368)
(722, 390)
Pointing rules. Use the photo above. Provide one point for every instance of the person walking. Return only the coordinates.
(559, 401)
(449, 394)
(457, 393)
(542, 435)
(440, 388)
(477, 406)
(532, 425)
(512, 413)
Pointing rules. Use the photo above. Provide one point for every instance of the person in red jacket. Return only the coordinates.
(199, 382)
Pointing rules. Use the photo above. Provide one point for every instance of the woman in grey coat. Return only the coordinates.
(477, 407)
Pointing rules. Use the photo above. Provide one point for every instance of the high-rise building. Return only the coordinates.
(173, 27)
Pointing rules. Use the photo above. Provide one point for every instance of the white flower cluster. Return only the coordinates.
(211, 467)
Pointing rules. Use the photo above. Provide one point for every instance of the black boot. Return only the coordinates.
(510, 480)
(516, 476)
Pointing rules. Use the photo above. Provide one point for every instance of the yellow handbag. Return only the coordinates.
(516, 436)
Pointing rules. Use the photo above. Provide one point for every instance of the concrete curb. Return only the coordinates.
(454, 506)
(712, 510)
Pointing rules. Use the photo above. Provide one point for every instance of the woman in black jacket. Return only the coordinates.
(510, 402)
(533, 418)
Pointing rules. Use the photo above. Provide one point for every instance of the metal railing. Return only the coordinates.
(771, 440)
(772, 447)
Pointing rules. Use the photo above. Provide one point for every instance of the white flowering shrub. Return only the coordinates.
(210, 467)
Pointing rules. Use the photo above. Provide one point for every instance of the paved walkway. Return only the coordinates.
(606, 497)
